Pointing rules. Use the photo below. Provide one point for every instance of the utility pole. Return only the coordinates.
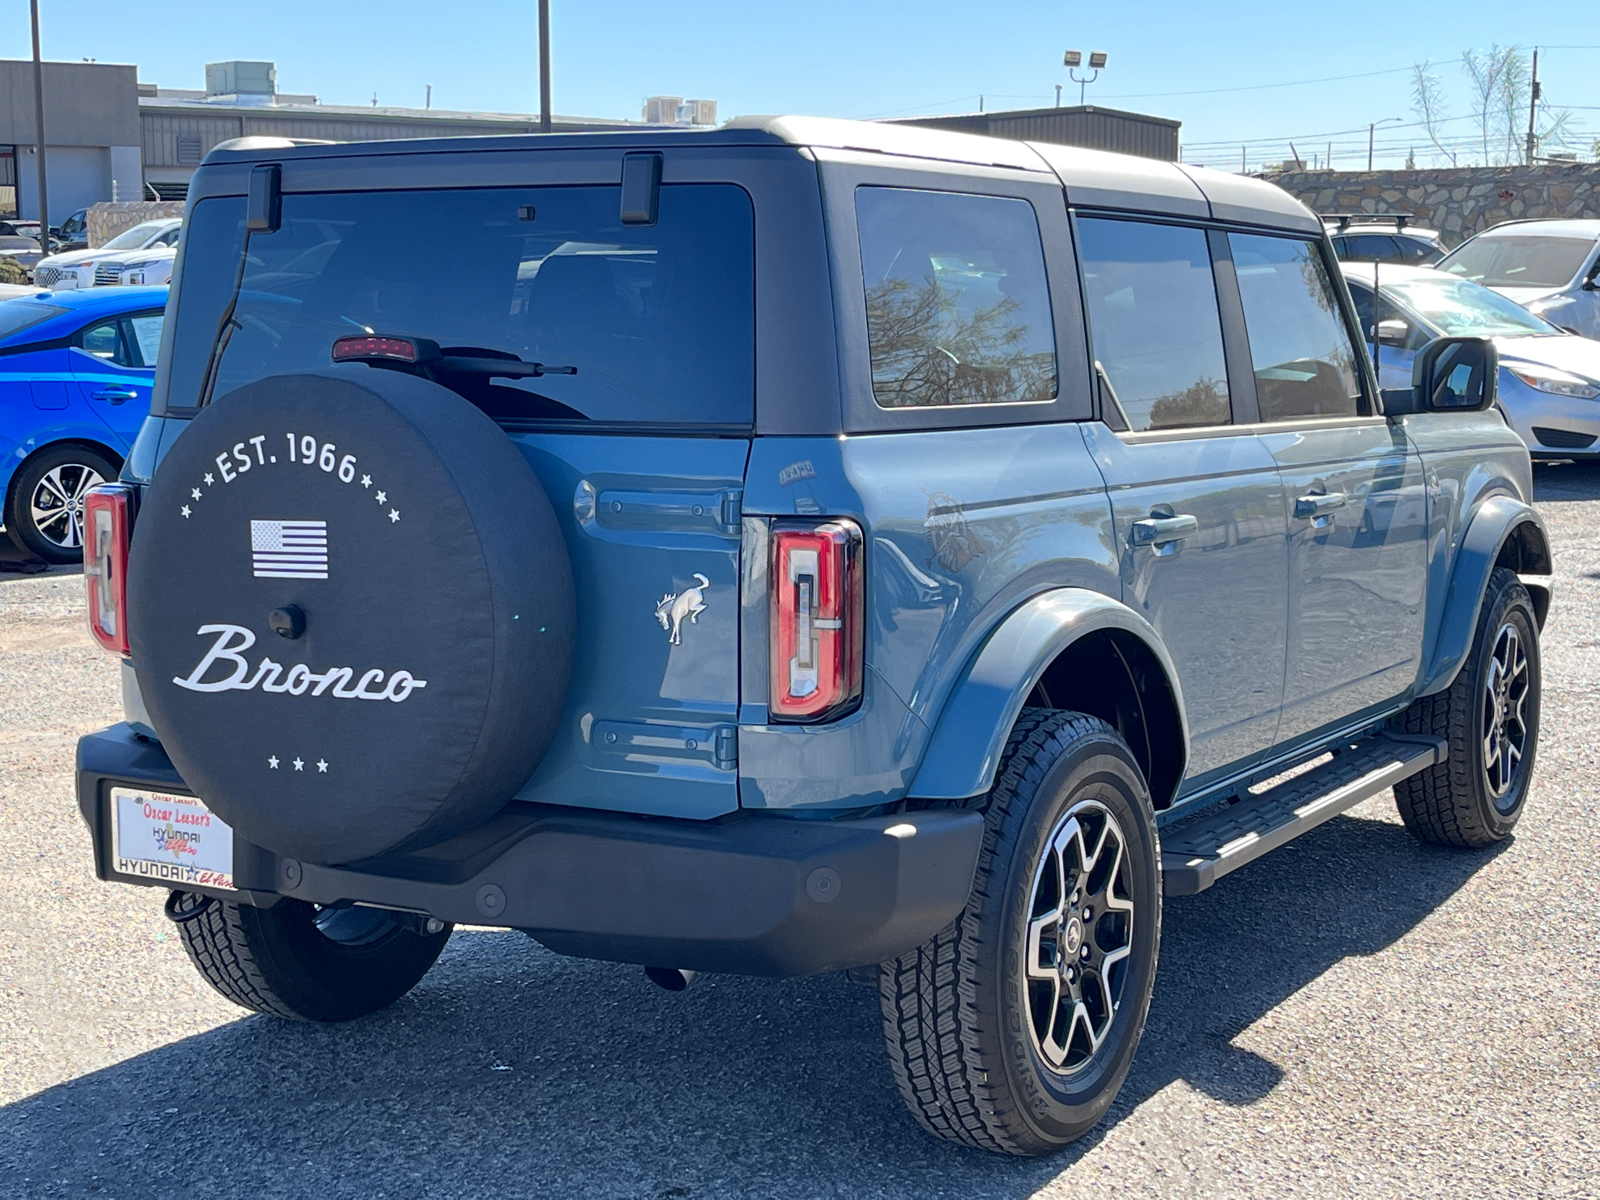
(1371, 131)
(38, 114)
(544, 66)
(1533, 107)
(1058, 95)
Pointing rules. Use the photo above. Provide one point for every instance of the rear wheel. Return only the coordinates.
(1013, 1029)
(44, 515)
(1490, 716)
(307, 963)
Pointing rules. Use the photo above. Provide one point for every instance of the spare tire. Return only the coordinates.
(351, 613)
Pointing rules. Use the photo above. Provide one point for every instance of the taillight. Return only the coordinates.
(817, 624)
(108, 522)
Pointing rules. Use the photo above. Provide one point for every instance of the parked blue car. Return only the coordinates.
(75, 378)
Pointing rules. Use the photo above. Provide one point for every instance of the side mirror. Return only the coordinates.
(1450, 374)
(1393, 332)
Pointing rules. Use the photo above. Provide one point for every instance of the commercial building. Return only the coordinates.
(91, 133)
(1076, 125)
(110, 137)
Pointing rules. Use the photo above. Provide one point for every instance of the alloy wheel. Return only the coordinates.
(1504, 718)
(1079, 937)
(56, 505)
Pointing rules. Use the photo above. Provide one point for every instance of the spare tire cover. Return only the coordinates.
(434, 593)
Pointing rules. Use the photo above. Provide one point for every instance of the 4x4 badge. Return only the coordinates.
(675, 606)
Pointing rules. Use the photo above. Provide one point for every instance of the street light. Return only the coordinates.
(1074, 58)
(1372, 130)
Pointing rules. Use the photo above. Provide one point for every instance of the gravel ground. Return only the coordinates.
(1355, 1015)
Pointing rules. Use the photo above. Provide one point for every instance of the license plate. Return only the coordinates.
(175, 839)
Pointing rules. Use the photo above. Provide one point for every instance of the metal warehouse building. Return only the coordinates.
(1078, 125)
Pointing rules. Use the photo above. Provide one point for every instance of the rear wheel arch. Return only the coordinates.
(1059, 649)
(100, 448)
(1111, 674)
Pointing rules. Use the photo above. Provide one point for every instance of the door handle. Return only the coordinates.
(1318, 507)
(1164, 533)
(116, 395)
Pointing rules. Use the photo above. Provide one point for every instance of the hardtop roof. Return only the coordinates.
(1096, 178)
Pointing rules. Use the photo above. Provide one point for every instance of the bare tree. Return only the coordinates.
(1514, 90)
(1485, 69)
(1429, 103)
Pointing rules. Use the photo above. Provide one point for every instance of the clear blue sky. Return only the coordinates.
(860, 58)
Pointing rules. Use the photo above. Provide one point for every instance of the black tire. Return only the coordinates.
(961, 1017)
(1456, 803)
(52, 483)
(298, 961)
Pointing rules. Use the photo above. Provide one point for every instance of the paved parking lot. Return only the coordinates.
(1356, 1015)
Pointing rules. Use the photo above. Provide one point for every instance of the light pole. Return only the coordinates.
(1372, 130)
(38, 114)
(544, 65)
(1073, 59)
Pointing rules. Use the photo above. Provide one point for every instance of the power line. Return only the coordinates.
(1257, 87)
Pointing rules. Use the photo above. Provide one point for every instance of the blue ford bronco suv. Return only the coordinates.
(801, 546)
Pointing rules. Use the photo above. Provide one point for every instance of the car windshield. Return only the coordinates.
(1461, 308)
(136, 237)
(1519, 261)
(24, 313)
(658, 319)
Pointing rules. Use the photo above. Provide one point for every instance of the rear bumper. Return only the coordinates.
(754, 894)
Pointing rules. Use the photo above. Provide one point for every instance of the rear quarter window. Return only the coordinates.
(958, 306)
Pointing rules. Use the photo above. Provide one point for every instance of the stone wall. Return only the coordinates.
(109, 219)
(1458, 201)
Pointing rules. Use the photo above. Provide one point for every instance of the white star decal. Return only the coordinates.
(195, 492)
(273, 762)
(322, 766)
(299, 765)
(366, 481)
(184, 510)
(209, 479)
(394, 515)
(382, 497)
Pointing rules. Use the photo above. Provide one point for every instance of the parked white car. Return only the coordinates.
(105, 264)
(147, 267)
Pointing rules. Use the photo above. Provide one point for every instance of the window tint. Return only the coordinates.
(1304, 361)
(1153, 318)
(23, 313)
(659, 320)
(1375, 246)
(147, 336)
(105, 341)
(958, 309)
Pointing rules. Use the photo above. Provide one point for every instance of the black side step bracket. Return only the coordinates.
(1197, 853)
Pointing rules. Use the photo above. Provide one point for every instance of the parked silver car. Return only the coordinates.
(1548, 267)
(1549, 378)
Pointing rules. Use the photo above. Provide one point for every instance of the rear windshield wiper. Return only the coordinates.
(423, 356)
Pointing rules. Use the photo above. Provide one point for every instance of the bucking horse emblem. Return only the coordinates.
(675, 606)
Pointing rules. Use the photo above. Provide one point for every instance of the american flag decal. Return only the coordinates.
(289, 549)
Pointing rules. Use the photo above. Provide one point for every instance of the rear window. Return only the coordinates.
(24, 313)
(659, 320)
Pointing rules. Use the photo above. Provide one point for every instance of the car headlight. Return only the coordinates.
(1555, 383)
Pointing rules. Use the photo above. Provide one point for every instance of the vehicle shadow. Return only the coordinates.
(1566, 481)
(512, 1072)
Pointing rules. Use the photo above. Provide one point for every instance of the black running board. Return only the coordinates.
(1197, 853)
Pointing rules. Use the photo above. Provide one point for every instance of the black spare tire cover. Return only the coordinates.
(416, 567)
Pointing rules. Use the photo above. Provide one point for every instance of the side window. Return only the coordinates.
(1154, 324)
(147, 336)
(106, 341)
(958, 308)
(170, 237)
(1304, 360)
